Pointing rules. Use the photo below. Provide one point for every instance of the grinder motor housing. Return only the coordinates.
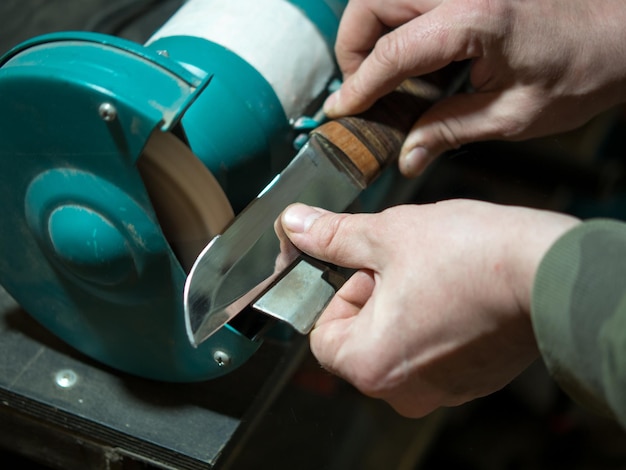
(83, 250)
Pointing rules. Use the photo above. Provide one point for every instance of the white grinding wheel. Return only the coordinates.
(190, 204)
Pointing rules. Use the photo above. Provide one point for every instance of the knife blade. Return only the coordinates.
(340, 159)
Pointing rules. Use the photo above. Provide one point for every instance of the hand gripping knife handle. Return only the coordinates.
(364, 146)
(248, 266)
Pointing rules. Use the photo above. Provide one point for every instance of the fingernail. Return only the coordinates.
(414, 162)
(299, 218)
(331, 102)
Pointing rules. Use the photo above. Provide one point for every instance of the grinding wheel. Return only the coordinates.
(189, 202)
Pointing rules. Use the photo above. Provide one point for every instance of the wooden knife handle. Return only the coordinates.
(373, 139)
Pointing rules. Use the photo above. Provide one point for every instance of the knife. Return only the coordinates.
(245, 265)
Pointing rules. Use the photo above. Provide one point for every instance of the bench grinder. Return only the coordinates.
(120, 161)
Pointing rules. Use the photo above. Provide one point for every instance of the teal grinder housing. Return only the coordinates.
(93, 127)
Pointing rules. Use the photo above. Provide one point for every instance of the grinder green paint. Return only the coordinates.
(81, 249)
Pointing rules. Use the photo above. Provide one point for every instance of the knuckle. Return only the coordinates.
(355, 93)
(331, 237)
(447, 134)
(371, 382)
(489, 10)
(389, 51)
(511, 127)
(513, 121)
(378, 378)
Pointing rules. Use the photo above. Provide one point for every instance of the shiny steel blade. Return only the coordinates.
(238, 266)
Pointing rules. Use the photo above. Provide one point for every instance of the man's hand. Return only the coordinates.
(438, 312)
(538, 66)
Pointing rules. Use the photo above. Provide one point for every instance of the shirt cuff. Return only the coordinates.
(579, 314)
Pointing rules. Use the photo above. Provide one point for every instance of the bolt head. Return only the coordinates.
(66, 378)
(107, 112)
(222, 359)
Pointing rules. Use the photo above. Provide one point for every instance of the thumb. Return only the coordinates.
(459, 120)
(340, 239)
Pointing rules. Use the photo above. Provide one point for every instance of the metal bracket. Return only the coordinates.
(300, 296)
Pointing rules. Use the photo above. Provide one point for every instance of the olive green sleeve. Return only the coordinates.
(579, 314)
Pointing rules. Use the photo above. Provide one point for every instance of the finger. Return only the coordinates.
(462, 119)
(342, 239)
(358, 32)
(420, 46)
(288, 252)
(364, 22)
(350, 299)
(333, 331)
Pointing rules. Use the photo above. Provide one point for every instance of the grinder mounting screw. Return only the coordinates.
(66, 378)
(107, 112)
(222, 359)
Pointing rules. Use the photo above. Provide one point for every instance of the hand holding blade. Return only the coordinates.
(341, 158)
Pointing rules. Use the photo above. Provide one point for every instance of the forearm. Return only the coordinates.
(579, 314)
